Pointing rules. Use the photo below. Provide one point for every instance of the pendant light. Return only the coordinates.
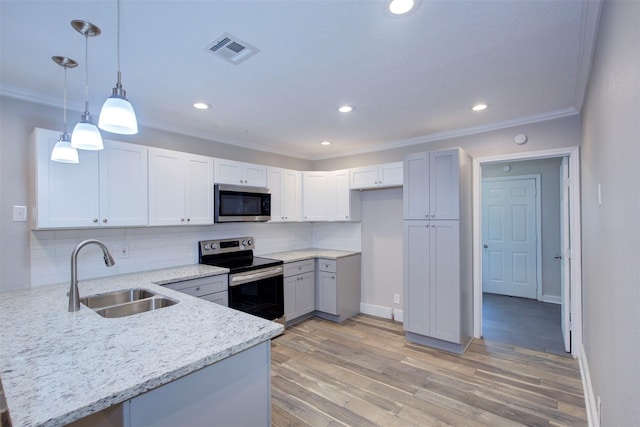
(117, 114)
(86, 135)
(63, 151)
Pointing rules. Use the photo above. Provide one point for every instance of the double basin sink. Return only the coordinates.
(126, 302)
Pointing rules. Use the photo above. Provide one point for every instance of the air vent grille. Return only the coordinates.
(231, 49)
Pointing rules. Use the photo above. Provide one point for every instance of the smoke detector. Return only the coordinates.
(231, 49)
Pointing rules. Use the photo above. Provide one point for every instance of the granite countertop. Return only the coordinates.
(57, 367)
(309, 253)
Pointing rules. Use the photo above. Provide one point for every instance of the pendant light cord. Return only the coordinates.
(65, 99)
(86, 73)
(118, 42)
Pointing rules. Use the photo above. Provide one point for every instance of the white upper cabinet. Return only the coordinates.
(239, 173)
(106, 188)
(180, 188)
(377, 176)
(431, 185)
(286, 194)
(326, 196)
(315, 196)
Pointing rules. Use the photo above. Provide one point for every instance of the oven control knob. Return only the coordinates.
(206, 247)
(249, 242)
(214, 246)
(244, 243)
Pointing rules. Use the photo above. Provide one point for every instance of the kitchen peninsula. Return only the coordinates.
(58, 367)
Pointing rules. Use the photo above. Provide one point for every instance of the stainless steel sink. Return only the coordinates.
(135, 307)
(115, 298)
(126, 302)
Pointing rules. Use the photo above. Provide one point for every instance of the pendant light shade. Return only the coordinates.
(86, 135)
(117, 114)
(63, 151)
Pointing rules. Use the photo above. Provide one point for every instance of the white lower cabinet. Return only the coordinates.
(213, 288)
(105, 189)
(299, 289)
(338, 287)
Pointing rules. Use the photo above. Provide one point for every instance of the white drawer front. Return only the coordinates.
(328, 265)
(298, 267)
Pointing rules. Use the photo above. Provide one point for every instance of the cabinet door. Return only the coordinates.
(123, 184)
(305, 294)
(198, 189)
(315, 196)
(339, 196)
(363, 178)
(67, 194)
(292, 195)
(255, 175)
(416, 186)
(275, 178)
(290, 285)
(444, 280)
(390, 174)
(228, 172)
(166, 187)
(416, 277)
(327, 293)
(444, 184)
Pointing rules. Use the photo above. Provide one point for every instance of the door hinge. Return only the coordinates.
(569, 253)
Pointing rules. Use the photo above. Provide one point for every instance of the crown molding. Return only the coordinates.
(550, 115)
(591, 11)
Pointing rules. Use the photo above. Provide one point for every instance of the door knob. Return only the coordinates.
(485, 246)
(557, 256)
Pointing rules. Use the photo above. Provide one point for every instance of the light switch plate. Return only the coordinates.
(19, 213)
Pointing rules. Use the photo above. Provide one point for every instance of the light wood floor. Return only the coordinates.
(364, 373)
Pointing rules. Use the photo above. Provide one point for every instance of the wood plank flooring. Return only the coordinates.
(364, 373)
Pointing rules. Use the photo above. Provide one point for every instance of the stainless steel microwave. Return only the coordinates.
(236, 203)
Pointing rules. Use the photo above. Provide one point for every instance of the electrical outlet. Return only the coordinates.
(124, 252)
(396, 298)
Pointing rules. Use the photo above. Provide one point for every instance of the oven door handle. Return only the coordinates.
(241, 278)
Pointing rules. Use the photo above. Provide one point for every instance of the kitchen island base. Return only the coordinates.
(235, 391)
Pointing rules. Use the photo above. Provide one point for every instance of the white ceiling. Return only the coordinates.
(411, 78)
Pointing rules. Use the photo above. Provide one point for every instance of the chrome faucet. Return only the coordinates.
(74, 295)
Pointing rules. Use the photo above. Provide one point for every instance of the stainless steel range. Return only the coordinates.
(255, 283)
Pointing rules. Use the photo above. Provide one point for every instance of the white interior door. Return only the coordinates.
(510, 237)
(565, 256)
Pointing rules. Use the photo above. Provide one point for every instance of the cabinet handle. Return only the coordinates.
(197, 288)
(346, 216)
(433, 215)
(181, 219)
(104, 220)
(188, 219)
(333, 277)
(95, 220)
(426, 215)
(433, 226)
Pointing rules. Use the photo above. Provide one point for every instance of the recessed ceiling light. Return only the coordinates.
(201, 105)
(345, 109)
(480, 107)
(400, 7)
(325, 143)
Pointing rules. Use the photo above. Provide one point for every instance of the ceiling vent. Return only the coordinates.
(232, 49)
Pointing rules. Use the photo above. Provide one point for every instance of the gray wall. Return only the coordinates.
(611, 231)
(549, 170)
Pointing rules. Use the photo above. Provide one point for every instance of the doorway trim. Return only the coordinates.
(538, 208)
(573, 153)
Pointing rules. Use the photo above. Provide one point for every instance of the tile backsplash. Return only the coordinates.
(160, 247)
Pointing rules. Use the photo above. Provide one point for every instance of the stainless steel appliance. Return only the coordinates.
(236, 203)
(255, 283)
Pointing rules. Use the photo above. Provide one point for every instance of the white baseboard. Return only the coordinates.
(589, 399)
(552, 299)
(380, 311)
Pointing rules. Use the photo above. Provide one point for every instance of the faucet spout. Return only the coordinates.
(74, 294)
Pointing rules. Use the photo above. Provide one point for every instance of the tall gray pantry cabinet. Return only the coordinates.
(438, 288)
